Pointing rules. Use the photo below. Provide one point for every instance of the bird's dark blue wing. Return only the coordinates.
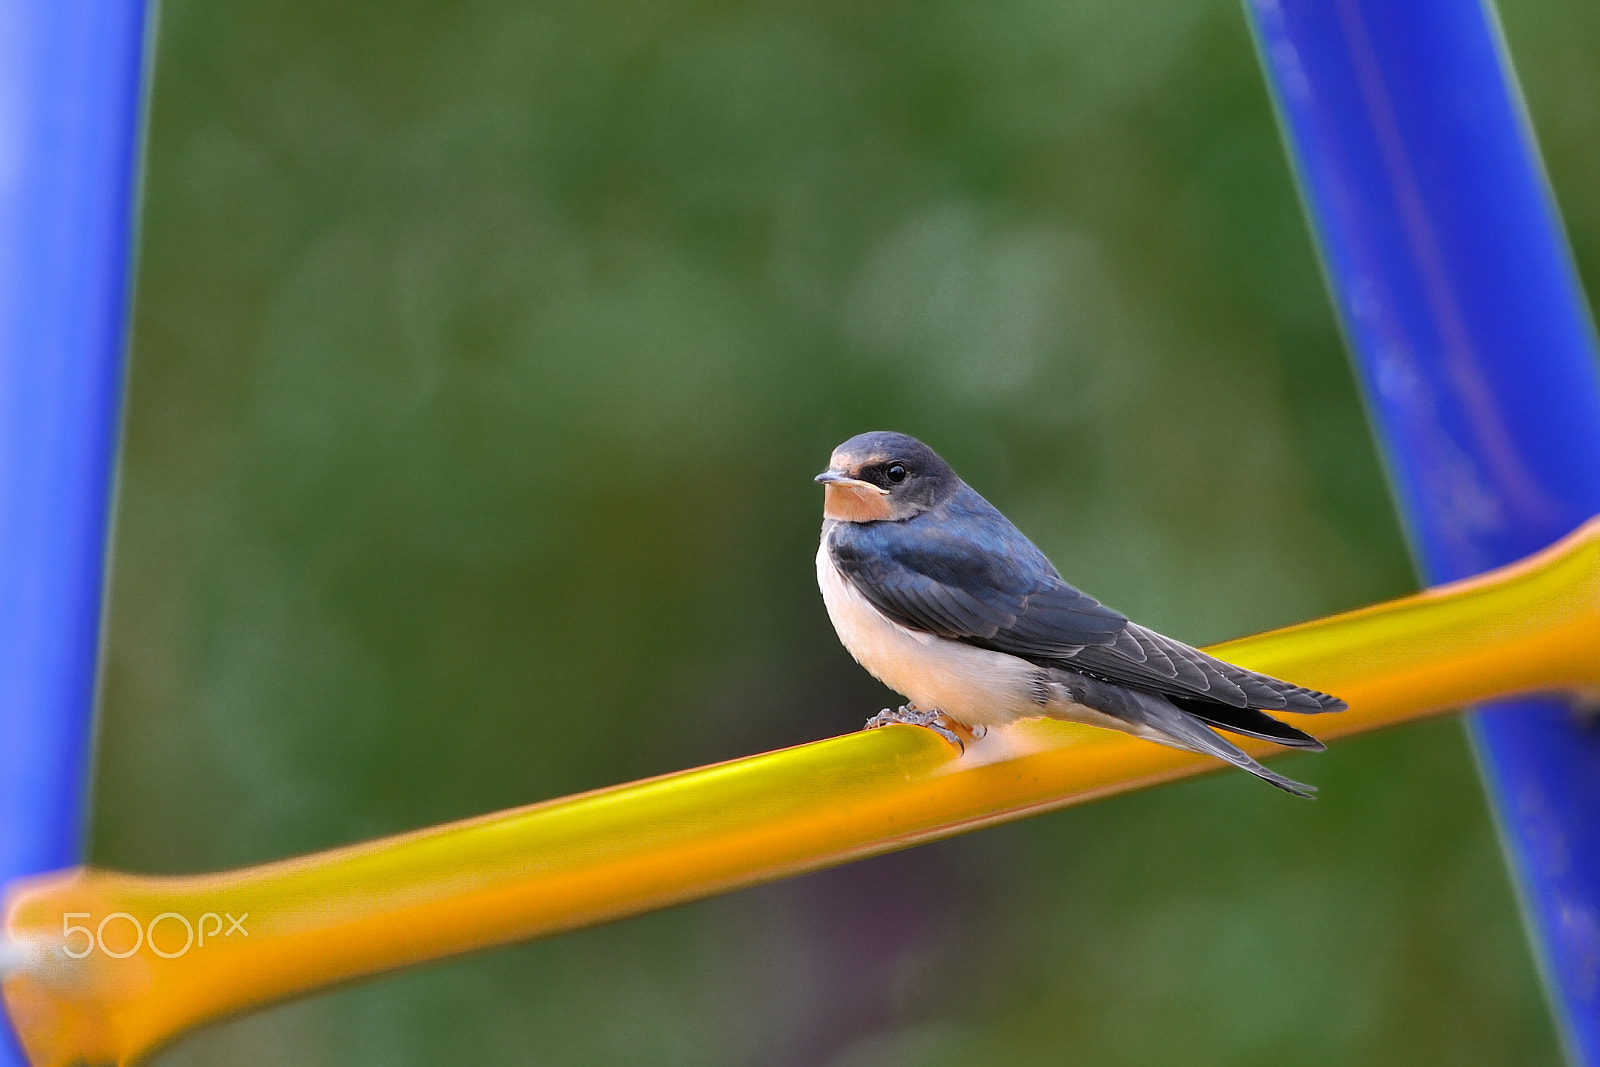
(965, 572)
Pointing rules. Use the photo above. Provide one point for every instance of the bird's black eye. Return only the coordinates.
(896, 473)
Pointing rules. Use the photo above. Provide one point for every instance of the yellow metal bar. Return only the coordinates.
(113, 965)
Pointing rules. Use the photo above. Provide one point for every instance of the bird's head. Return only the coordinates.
(882, 476)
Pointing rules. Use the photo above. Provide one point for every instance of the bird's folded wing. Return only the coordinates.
(974, 582)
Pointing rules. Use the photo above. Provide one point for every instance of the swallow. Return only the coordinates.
(943, 600)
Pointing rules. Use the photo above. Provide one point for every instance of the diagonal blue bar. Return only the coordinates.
(1478, 361)
(71, 82)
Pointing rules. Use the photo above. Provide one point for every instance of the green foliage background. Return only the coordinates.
(484, 352)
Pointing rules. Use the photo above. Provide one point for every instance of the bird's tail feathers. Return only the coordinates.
(1184, 730)
(1251, 722)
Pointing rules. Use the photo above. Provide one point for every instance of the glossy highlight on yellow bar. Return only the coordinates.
(306, 923)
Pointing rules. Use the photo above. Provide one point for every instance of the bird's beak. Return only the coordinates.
(844, 481)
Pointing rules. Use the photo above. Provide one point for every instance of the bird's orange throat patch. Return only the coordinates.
(854, 503)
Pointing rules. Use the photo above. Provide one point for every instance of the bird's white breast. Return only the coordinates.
(971, 685)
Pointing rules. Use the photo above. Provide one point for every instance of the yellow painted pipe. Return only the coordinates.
(108, 966)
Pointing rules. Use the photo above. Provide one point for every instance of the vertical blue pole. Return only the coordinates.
(71, 89)
(1477, 358)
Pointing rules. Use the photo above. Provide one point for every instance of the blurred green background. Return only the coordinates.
(484, 352)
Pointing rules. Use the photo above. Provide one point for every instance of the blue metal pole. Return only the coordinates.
(1478, 361)
(71, 90)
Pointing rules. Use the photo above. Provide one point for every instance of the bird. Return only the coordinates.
(943, 600)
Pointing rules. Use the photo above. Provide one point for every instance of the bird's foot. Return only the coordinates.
(954, 732)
